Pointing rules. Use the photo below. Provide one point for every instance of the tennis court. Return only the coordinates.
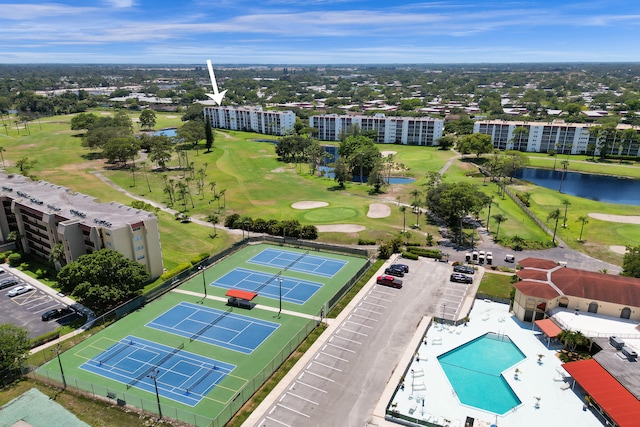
(180, 375)
(300, 262)
(216, 327)
(294, 290)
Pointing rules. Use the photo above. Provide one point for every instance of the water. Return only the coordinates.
(602, 188)
(327, 172)
(166, 132)
(474, 370)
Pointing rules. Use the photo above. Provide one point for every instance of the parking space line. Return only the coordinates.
(366, 309)
(359, 324)
(302, 398)
(342, 348)
(346, 339)
(273, 419)
(354, 332)
(335, 357)
(320, 376)
(325, 365)
(372, 303)
(293, 410)
(380, 291)
(365, 317)
(310, 386)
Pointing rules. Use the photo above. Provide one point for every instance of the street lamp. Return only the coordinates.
(444, 307)
(64, 381)
(280, 310)
(204, 282)
(154, 375)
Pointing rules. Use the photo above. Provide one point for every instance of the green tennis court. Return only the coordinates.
(220, 394)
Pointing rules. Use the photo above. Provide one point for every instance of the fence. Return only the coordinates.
(325, 247)
(122, 397)
(348, 285)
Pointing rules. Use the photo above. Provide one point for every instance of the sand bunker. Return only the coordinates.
(387, 153)
(626, 219)
(309, 205)
(618, 249)
(378, 210)
(340, 228)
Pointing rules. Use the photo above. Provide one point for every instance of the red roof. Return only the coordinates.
(241, 294)
(536, 289)
(606, 391)
(533, 274)
(548, 327)
(544, 264)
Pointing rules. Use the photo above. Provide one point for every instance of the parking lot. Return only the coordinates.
(26, 310)
(344, 378)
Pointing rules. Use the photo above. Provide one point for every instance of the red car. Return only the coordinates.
(386, 280)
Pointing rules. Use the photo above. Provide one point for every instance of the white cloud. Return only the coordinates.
(121, 4)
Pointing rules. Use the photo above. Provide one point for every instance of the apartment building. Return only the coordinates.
(46, 214)
(542, 137)
(252, 119)
(389, 130)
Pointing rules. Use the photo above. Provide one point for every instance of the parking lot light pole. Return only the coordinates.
(64, 381)
(154, 375)
(444, 307)
(204, 281)
(280, 310)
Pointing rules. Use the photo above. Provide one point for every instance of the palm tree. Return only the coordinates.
(499, 219)
(223, 194)
(583, 220)
(566, 204)
(554, 215)
(57, 255)
(212, 186)
(213, 219)
(415, 205)
(403, 209)
(489, 214)
(2, 149)
(144, 168)
(565, 166)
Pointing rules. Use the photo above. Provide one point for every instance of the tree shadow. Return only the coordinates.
(337, 188)
(94, 155)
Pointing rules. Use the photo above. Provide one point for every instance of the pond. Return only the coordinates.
(166, 132)
(328, 173)
(602, 188)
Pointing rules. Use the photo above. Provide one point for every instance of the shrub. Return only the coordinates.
(14, 259)
(430, 253)
(366, 242)
(40, 273)
(409, 255)
(176, 270)
(45, 338)
(386, 250)
(199, 258)
(412, 244)
(309, 232)
(231, 220)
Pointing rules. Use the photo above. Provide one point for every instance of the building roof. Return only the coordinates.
(606, 391)
(548, 327)
(577, 283)
(239, 293)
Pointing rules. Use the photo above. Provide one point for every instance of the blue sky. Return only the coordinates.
(318, 31)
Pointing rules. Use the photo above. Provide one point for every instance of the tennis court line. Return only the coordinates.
(295, 261)
(257, 307)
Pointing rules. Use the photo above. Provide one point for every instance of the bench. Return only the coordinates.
(631, 354)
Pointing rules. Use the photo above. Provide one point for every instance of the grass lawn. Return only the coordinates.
(496, 285)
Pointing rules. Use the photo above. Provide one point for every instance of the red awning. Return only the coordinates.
(548, 327)
(241, 294)
(606, 391)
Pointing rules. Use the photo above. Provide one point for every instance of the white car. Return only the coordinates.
(19, 290)
(2, 271)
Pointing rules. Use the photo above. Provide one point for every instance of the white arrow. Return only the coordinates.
(216, 96)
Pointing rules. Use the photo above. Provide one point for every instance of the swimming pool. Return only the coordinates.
(166, 132)
(475, 371)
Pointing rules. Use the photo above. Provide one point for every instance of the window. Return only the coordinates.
(140, 257)
(593, 307)
(563, 302)
(137, 238)
(625, 313)
(139, 248)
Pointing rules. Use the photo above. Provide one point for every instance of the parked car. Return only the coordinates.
(394, 282)
(7, 283)
(19, 290)
(394, 271)
(464, 269)
(461, 278)
(403, 267)
(2, 271)
(56, 313)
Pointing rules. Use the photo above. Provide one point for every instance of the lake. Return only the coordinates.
(166, 132)
(602, 188)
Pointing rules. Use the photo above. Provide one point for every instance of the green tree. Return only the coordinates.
(447, 141)
(341, 172)
(57, 256)
(147, 119)
(102, 279)
(192, 131)
(83, 121)
(208, 136)
(566, 204)
(194, 112)
(377, 177)
(121, 149)
(631, 262)
(554, 215)
(477, 143)
(160, 150)
(14, 349)
(499, 219)
(582, 220)
(520, 134)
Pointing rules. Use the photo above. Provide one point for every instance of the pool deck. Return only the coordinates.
(559, 404)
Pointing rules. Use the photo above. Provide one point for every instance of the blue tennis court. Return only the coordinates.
(296, 261)
(293, 290)
(217, 327)
(181, 376)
